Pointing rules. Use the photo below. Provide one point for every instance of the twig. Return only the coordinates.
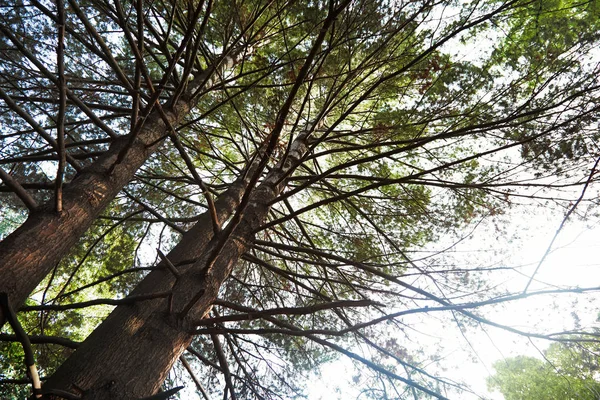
(155, 213)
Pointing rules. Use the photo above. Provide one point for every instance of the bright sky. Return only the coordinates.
(573, 261)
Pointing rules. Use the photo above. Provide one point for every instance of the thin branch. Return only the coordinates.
(23, 114)
(169, 264)
(60, 119)
(41, 339)
(188, 368)
(224, 366)
(197, 179)
(112, 302)
(104, 279)
(175, 273)
(256, 314)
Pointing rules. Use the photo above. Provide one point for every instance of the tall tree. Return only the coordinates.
(312, 148)
(61, 219)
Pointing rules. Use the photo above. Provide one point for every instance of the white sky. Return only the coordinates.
(574, 261)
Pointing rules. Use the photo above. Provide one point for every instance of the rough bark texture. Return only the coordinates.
(129, 355)
(30, 253)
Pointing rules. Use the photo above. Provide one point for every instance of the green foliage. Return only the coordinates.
(414, 142)
(11, 219)
(90, 260)
(544, 31)
(569, 371)
(546, 42)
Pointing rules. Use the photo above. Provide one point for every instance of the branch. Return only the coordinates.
(18, 381)
(36, 127)
(197, 179)
(175, 273)
(444, 304)
(63, 394)
(155, 213)
(164, 395)
(289, 329)
(169, 264)
(12, 319)
(223, 363)
(113, 302)
(562, 224)
(255, 314)
(60, 119)
(16, 187)
(41, 339)
(104, 279)
(199, 386)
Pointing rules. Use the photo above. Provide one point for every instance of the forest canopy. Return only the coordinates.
(225, 195)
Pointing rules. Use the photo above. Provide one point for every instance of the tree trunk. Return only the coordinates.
(30, 253)
(129, 355)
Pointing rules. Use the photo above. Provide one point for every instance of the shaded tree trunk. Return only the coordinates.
(129, 355)
(30, 252)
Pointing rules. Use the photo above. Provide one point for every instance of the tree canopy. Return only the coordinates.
(228, 194)
(568, 372)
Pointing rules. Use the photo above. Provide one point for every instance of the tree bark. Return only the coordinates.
(129, 355)
(29, 253)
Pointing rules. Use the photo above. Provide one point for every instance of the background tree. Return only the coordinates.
(287, 160)
(568, 371)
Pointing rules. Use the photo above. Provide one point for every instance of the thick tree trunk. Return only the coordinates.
(30, 253)
(129, 355)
